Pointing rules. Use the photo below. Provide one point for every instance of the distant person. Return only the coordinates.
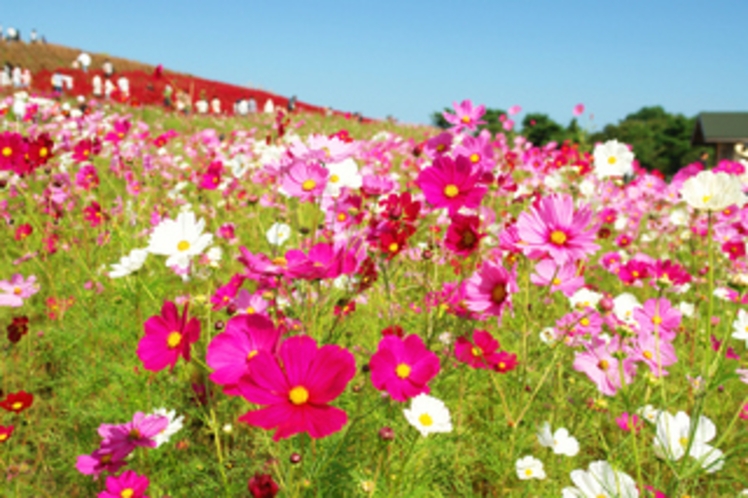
(56, 84)
(17, 77)
(84, 60)
(201, 106)
(108, 88)
(108, 68)
(158, 72)
(252, 105)
(2, 33)
(5, 79)
(292, 104)
(269, 107)
(98, 86)
(242, 107)
(11, 33)
(168, 92)
(124, 87)
(26, 78)
(215, 105)
(32, 38)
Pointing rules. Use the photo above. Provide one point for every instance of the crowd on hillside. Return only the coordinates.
(12, 34)
(15, 76)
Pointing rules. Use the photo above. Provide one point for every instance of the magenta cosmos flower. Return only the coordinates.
(231, 351)
(451, 184)
(481, 352)
(554, 228)
(167, 337)
(657, 316)
(298, 386)
(489, 290)
(126, 485)
(403, 367)
(466, 116)
(305, 180)
(140, 431)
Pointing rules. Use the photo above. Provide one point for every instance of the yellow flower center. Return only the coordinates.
(647, 354)
(476, 351)
(584, 321)
(183, 246)
(474, 158)
(683, 441)
(706, 198)
(656, 320)
(558, 237)
(441, 147)
(393, 247)
(334, 179)
(298, 395)
(17, 291)
(426, 420)
(134, 434)
(556, 281)
(603, 365)
(451, 190)
(43, 152)
(280, 261)
(127, 493)
(252, 354)
(308, 185)
(250, 310)
(86, 152)
(612, 160)
(466, 119)
(7, 151)
(498, 294)
(402, 371)
(528, 472)
(342, 216)
(501, 365)
(17, 405)
(3, 437)
(174, 339)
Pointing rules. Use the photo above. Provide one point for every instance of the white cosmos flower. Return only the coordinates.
(624, 306)
(713, 191)
(679, 218)
(342, 174)
(613, 158)
(672, 440)
(179, 239)
(686, 309)
(649, 413)
(214, 256)
(601, 481)
(129, 264)
(529, 467)
(740, 326)
(560, 441)
(428, 415)
(175, 424)
(278, 234)
(585, 298)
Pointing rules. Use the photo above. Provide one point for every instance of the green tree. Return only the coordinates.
(660, 140)
(540, 129)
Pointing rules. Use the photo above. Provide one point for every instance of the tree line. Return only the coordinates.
(661, 140)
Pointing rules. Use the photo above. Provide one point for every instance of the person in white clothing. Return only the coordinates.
(26, 78)
(201, 106)
(17, 77)
(84, 60)
(108, 88)
(124, 86)
(215, 105)
(97, 84)
(269, 107)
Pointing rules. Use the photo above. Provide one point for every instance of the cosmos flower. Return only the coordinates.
(529, 467)
(126, 485)
(489, 290)
(167, 337)
(466, 117)
(278, 234)
(451, 184)
(560, 441)
(403, 367)
(672, 440)
(710, 191)
(179, 239)
(601, 481)
(428, 415)
(174, 426)
(740, 326)
(613, 159)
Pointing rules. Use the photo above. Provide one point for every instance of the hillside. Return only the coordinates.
(147, 88)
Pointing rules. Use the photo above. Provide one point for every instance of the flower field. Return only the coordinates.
(310, 306)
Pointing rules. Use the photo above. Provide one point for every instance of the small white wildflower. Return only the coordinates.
(529, 467)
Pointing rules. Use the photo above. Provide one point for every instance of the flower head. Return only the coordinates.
(613, 159)
(167, 337)
(428, 415)
(710, 191)
(126, 485)
(529, 467)
(179, 239)
(403, 367)
(451, 184)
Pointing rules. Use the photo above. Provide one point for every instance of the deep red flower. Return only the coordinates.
(5, 433)
(86, 149)
(39, 151)
(394, 330)
(23, 231)
(505, 362)
(463, 235)
(480, 352)
(18, 328)
(93, 214)
(17, 402)
(262, 486)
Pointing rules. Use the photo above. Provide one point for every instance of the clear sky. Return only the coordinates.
(410, 58)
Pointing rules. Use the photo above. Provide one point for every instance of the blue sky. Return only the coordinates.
(409, 59)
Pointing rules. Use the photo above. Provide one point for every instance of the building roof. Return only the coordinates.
(720, 127)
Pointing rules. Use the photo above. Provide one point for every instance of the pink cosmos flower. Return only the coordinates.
(655, 352)
(489, 290)
(250, 304)
(554, 228)
(126, 485)
(438, 145)
(231, 351)
(478, 353)
(403, 367)
(515, 109)
(305, 180)
(465, 117)
(93, 214)
(451, 184)
(87, 177)
(212, 176)
(658, 316)
(463, 235)
(578, 110)
(167, 337)
(742, 374)
(562, 278)
(601, 366)
(479, 150)
(630, 422)
(15, 290)
(298, 387)
(102, 460)
(140, 431)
